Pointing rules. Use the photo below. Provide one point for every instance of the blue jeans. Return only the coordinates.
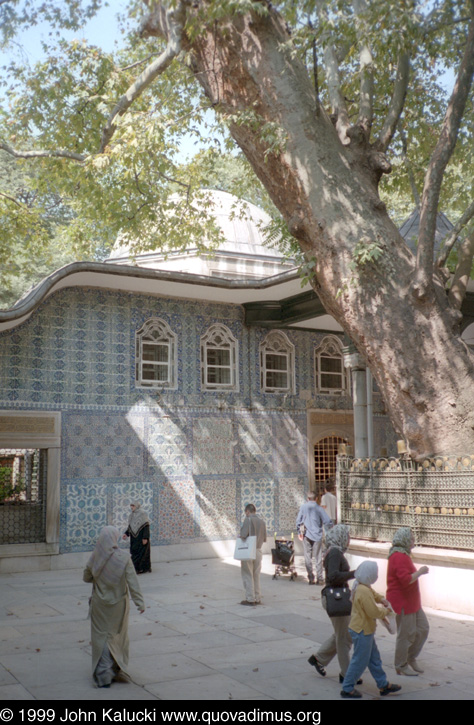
(365, 654)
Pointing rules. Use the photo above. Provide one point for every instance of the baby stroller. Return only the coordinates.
(283, 557)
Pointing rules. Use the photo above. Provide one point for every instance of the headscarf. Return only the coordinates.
(107, 562)
(401, 541)
(137, 519)
(338, 537)
(366, 573)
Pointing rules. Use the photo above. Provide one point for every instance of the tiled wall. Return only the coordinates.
(193, 459)
(78, 350)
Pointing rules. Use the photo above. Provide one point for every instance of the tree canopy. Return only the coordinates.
(348, 113)
(109, 146)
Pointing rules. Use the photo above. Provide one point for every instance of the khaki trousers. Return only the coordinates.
(339, 643)
(412, 631)
(251, 577)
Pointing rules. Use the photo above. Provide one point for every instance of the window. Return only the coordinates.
(23, 485)
(331, 376)
(156, 355)
(219, 357)
(277, 364)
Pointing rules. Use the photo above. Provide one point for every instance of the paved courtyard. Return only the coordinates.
(196, 642)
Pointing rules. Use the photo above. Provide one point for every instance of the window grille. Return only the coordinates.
(219, 359)
(23, 477)
(156, 355)
(277, 364)
(325, 453)
(330, 374)
(434, 497)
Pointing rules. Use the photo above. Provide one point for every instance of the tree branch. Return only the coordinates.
(43, 154)
(137, 63)
(450, 240)
(411, 176)
(366, 112)
(314, 49)
(462, 273)
(396, 104)
(338, 104)
(174, 20)
(12, 199)
(439, 160)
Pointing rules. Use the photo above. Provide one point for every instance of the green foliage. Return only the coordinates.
(307, 273)
(18, 15)
(366, 253)
(6, 485)
(29, 221)
(141, 187)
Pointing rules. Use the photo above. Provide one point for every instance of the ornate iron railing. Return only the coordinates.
(23, 482)
(435, 498)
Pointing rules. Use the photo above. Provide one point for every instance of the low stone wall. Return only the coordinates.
(447, 587)
(434, 498)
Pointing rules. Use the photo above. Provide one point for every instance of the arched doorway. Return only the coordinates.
(325, 452)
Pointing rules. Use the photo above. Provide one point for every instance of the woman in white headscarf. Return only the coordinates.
(139, 532)
(365, 612)
(113, 580)
(338, 573)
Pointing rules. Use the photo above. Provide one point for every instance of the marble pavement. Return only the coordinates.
(196, 642)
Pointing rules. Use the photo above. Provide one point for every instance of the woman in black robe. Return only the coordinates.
(139, 532)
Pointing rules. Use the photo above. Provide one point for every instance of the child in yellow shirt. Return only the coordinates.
(365, 612)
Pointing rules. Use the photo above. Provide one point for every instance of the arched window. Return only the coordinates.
(277, 364)
(219, 359)
(156, 355)
(330, 374)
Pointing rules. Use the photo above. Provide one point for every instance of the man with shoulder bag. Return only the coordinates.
(253, 526)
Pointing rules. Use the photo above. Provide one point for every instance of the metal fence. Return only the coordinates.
(435, 498)
(22, 495)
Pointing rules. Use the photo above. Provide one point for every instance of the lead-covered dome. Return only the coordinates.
(242, 254)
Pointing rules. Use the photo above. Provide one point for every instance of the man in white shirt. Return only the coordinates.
(329, 501)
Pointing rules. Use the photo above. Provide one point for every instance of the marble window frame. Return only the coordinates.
(39, 430)
(166, 338)
(219, 337)
(277, 343)
(327, 345)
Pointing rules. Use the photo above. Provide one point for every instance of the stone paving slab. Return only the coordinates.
(210, 687)
(196, 642)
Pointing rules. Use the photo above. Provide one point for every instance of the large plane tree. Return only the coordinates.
(327, 100)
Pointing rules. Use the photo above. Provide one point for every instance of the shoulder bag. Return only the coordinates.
(338, 601)
(246, 549)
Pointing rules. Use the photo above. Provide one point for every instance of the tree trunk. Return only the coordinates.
(327, 193)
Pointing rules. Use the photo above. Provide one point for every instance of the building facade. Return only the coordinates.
(192, 393)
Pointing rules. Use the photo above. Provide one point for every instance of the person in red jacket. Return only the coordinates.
(403, 593)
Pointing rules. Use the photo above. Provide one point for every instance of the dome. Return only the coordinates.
(411, 227)
(242, 254)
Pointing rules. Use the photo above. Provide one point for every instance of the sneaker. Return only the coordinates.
(390, 688)
(354, 694)
(313, 660)
(247, 604)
